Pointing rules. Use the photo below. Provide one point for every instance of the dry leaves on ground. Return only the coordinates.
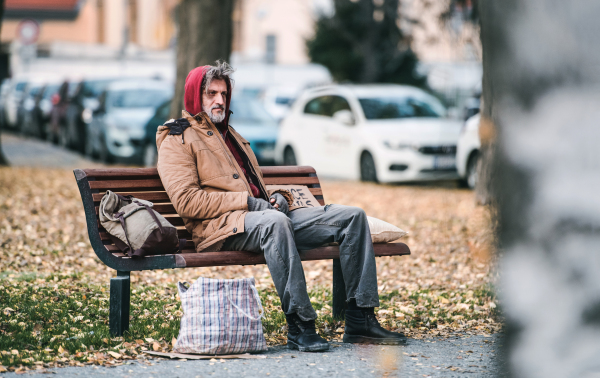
(442, 288)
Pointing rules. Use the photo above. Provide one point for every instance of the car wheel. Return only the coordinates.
(63, 136)
(472, 171)
(368, 172)
(105, 155)
(150, 155)
(289, 157)
(89, 148)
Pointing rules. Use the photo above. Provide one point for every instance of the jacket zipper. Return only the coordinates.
(227, 152)
(260, 186)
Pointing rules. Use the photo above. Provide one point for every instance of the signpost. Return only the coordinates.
(28, 32)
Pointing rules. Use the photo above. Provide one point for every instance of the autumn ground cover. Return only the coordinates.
(54, 291)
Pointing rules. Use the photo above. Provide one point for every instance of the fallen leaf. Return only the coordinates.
(156, 346)
(60, 349)
(114, 354)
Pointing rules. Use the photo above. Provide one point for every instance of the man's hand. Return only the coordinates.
(280, 203)
(259, 204)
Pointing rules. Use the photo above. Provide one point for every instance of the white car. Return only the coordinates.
(380, 133)
(467, 151)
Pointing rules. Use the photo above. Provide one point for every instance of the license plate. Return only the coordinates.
(444, 162)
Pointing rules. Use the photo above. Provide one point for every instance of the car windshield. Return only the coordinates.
(20, 86)
(402, 107)
(93, 88)
(34, 90)
(138, 98)
(249, 110)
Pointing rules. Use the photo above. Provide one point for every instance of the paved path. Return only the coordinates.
(476, 356)
(29, 152)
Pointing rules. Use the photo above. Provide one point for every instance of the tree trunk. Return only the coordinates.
(487, 134)
(204, 35)
(3, 159)
(541, 60)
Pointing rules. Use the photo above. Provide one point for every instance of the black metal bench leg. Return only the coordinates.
(339, 290)
(119, 303)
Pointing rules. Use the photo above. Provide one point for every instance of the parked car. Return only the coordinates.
(385, 133)
(12, 101)
(467, 152)
(84, 96)
(148, 153)
(118, 125)
(4, 90)
(251, 120)
(37, 111)
(248, 117)
(26, 105)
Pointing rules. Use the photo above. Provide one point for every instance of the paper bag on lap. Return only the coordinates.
(299, 195)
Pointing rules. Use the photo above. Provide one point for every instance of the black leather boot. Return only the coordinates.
(303, 336)
(362, 327)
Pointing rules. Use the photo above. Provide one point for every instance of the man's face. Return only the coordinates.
(213, 100)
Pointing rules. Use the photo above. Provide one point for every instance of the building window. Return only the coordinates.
(271, 50)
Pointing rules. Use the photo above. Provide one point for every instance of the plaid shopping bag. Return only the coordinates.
(220, 317)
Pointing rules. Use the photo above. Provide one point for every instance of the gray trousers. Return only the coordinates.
(280, 237)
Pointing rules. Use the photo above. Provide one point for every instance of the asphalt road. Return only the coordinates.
(475, 356)
(29, 152)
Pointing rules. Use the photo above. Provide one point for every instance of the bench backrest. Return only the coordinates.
(144, 183)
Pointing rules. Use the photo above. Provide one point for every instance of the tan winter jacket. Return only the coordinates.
(204, 182)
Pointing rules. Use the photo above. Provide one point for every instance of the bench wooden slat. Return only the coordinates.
(223, 258)
(148, 184)
(181, 234)
(287, 170)
(291, 180)
(149, 196)
(147, 172)
(166, 208)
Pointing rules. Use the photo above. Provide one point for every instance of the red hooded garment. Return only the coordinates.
(192, 101)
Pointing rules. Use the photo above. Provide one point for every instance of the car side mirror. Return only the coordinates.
(344, 116)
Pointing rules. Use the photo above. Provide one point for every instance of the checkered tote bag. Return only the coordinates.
(220, 317)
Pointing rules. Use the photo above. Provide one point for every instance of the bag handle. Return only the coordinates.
(124, 225)
(149, 209)
(261, 311)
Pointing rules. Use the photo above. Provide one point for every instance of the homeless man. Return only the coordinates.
(214, 182)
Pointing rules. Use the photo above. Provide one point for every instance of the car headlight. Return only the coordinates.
(86, 115)
(400, 146)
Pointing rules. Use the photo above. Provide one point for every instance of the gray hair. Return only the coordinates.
(220, 71)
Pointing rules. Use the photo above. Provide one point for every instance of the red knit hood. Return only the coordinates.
(193, 96)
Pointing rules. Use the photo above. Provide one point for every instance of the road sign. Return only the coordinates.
(28, 32)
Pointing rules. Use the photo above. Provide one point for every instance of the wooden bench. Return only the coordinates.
(145, 183)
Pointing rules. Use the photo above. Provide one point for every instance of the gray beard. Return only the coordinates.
(216, 118)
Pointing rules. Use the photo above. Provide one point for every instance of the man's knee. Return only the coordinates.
(276, 222)
(353, 212)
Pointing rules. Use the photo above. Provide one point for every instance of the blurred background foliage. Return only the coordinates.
(363, 43)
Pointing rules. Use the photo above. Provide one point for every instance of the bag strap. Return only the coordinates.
(128, 198)
(151, 211)
(261, 312)
(119, 215)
